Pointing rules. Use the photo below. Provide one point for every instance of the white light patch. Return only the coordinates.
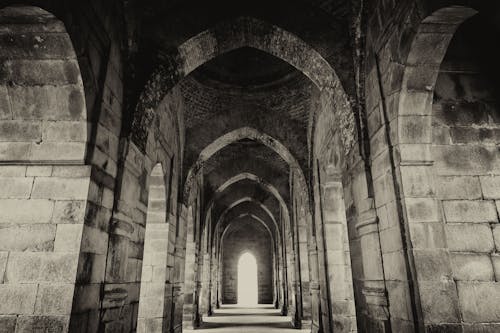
(247, 280)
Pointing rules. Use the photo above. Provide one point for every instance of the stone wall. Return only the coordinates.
(466, 127)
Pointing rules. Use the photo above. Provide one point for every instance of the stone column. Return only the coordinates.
(190, 271)
(338, 254)
(373, 289)
(314, 289)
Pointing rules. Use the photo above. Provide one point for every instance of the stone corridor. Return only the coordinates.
(348, 149)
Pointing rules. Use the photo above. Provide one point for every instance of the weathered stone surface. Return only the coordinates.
(27, 324)
(71, 211)
(28, 237)
(459, 187)
(17, 298)
(20, 131)
(491, 187)
(26, 211)
(442, 307)
(476, 300)
(54, 299)
(469, 237)
(470, 211)
(68, 238)
(471, 267)
(8, 323)
(60, 188)
(15, 187)
(28, 267)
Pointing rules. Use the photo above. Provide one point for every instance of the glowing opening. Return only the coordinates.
(247, 280)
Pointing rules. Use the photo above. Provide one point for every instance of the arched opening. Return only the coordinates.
(247, 280)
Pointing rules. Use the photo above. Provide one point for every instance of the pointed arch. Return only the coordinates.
(233, 34)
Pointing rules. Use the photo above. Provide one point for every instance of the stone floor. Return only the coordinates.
(263, 318)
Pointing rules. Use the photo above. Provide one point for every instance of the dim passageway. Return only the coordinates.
(249, 166)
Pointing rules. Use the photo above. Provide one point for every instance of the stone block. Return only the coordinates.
(39, 170)
(414, 153)
(38, 45)
(496, 236)
(28, 237)
(5, 111)
(94, 240)
(495, 259)
(30, 324)
(462, 160)
(57, 151)
(439, 301)
(54, 299)
(427, 235)
(41, 72)
(417, 181)
(469, 237)
(71, 171)
(415, 129)
(459, 187)
(400, 299)
(472, 267)
(20, 131)
(477, 301)
(15, 187)
(17, 298)
(151, 306)
(384, 190)
(470, 211)
(15, 151)
(71, 211)
(8, 323)
(27, 267)
(68, 238)
(394, 266)
(390, 240)
(63, 131)
(3, 264)
(60, 188)
(48, 102)
(432, 265)
(416, 103)
(25, 211)
(490, 186)
(421, 210)
(13, 170)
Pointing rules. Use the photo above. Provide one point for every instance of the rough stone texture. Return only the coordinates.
(360, 137)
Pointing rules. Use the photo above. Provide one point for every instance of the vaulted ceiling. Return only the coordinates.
(245, 88)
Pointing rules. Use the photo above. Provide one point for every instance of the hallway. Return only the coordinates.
(335, 161)
(232, 318)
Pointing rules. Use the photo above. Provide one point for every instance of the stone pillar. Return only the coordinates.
(178, 270)
(304, 275)
(338, 255)
(373, 288)
(190, 272)
(314, 289)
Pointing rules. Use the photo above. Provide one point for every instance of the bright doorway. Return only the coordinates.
(247, 280)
